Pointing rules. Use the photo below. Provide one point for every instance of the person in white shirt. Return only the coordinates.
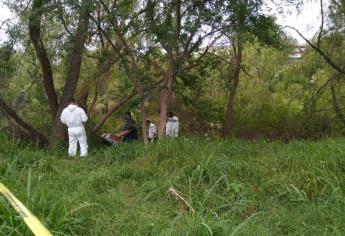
(172, 125)
(74, 117)
(152, 131)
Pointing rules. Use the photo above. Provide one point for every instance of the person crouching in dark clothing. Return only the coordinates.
(129, 132)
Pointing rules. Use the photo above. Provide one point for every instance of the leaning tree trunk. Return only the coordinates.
(35, 35)
(165, 94)
(233, 88)
(34, 134)
(74, 68)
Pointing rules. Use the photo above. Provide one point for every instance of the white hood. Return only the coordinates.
(71, 107)
(73, 116)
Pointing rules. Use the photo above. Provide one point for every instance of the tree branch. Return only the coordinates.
(123, 101)
(32, 131)
(327, 59)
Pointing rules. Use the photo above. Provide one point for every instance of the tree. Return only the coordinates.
(242, 21)
(178, 27)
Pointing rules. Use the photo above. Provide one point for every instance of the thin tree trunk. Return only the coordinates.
(74, 68)
(141, 92)
(93, 103)
(336, 107)
(143, 114)
(31, 130)
(35, 35)
(165, 94)
(233, 88)
(82, 98)
(100, 75)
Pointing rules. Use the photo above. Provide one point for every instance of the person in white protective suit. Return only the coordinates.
(74, 117)
(172, 125)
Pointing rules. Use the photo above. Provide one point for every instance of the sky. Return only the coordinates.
(4, 14)
(307, 21)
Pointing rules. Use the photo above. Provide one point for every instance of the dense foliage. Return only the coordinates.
(216, 64)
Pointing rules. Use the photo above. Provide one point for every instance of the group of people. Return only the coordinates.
(74, 117)
(130, 133)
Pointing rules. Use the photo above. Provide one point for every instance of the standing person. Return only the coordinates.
(74, 117)
(172, 125)
(152, 131)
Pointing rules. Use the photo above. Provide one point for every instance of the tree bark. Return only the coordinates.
(82, 98)
(233, 88)
(336, 106)
(165, 94)
(93, 103)
(78, 46)
(143, 116)
(35, 35)
(31, 130)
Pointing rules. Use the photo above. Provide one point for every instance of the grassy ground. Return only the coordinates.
(234, 188)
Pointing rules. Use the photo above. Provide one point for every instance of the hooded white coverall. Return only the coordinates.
(171, 127)
(74, 117)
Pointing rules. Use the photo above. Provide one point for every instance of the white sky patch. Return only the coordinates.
(307, 19)
(5, 14)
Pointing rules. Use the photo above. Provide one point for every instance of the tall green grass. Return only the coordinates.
(234, 188)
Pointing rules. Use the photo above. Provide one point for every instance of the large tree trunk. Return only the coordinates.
(74, 68)
(31, 130)
(233, 88)
(165, 94)
(35, 35)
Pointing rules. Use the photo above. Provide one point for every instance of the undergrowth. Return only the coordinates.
(232, 188)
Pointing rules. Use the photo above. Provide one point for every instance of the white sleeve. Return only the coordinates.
(83, 115)
(63, 117)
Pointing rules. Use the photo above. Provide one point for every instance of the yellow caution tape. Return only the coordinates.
(30, 220)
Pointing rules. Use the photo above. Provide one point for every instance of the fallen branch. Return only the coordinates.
(178, 196)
